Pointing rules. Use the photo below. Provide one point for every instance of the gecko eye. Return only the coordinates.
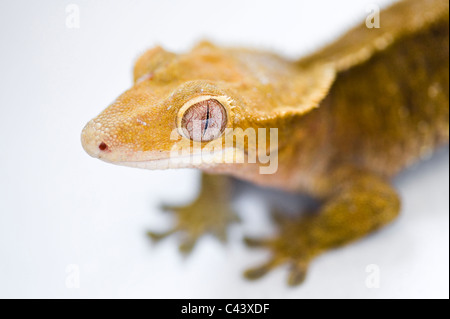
(204, 121)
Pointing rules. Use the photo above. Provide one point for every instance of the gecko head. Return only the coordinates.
(181, 112)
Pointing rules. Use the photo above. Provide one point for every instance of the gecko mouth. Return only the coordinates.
(225, 156)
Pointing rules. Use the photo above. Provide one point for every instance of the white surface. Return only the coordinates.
(59, 207)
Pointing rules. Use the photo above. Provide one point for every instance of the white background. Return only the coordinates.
(59, 207)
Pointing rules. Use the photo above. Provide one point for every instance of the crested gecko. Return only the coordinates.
(336, 125)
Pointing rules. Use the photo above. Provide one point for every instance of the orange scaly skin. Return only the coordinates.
(349, 118)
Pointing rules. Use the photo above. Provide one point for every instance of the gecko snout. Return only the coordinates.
(93, 140)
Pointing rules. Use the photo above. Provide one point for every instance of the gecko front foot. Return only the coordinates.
(291, 246)
(211, 213)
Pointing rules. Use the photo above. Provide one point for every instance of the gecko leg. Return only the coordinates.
(210, 213)
(362, 204)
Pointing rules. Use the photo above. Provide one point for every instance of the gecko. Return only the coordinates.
(338, 125)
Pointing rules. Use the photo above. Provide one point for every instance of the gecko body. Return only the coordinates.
(348, 117)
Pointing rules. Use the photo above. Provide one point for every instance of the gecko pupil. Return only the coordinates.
(207, 120)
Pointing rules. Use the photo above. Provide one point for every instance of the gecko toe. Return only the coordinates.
(260, 271)
(297, 274)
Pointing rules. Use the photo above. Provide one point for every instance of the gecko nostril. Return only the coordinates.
(103, 146)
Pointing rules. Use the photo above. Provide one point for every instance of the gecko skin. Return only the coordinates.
(349, 118)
